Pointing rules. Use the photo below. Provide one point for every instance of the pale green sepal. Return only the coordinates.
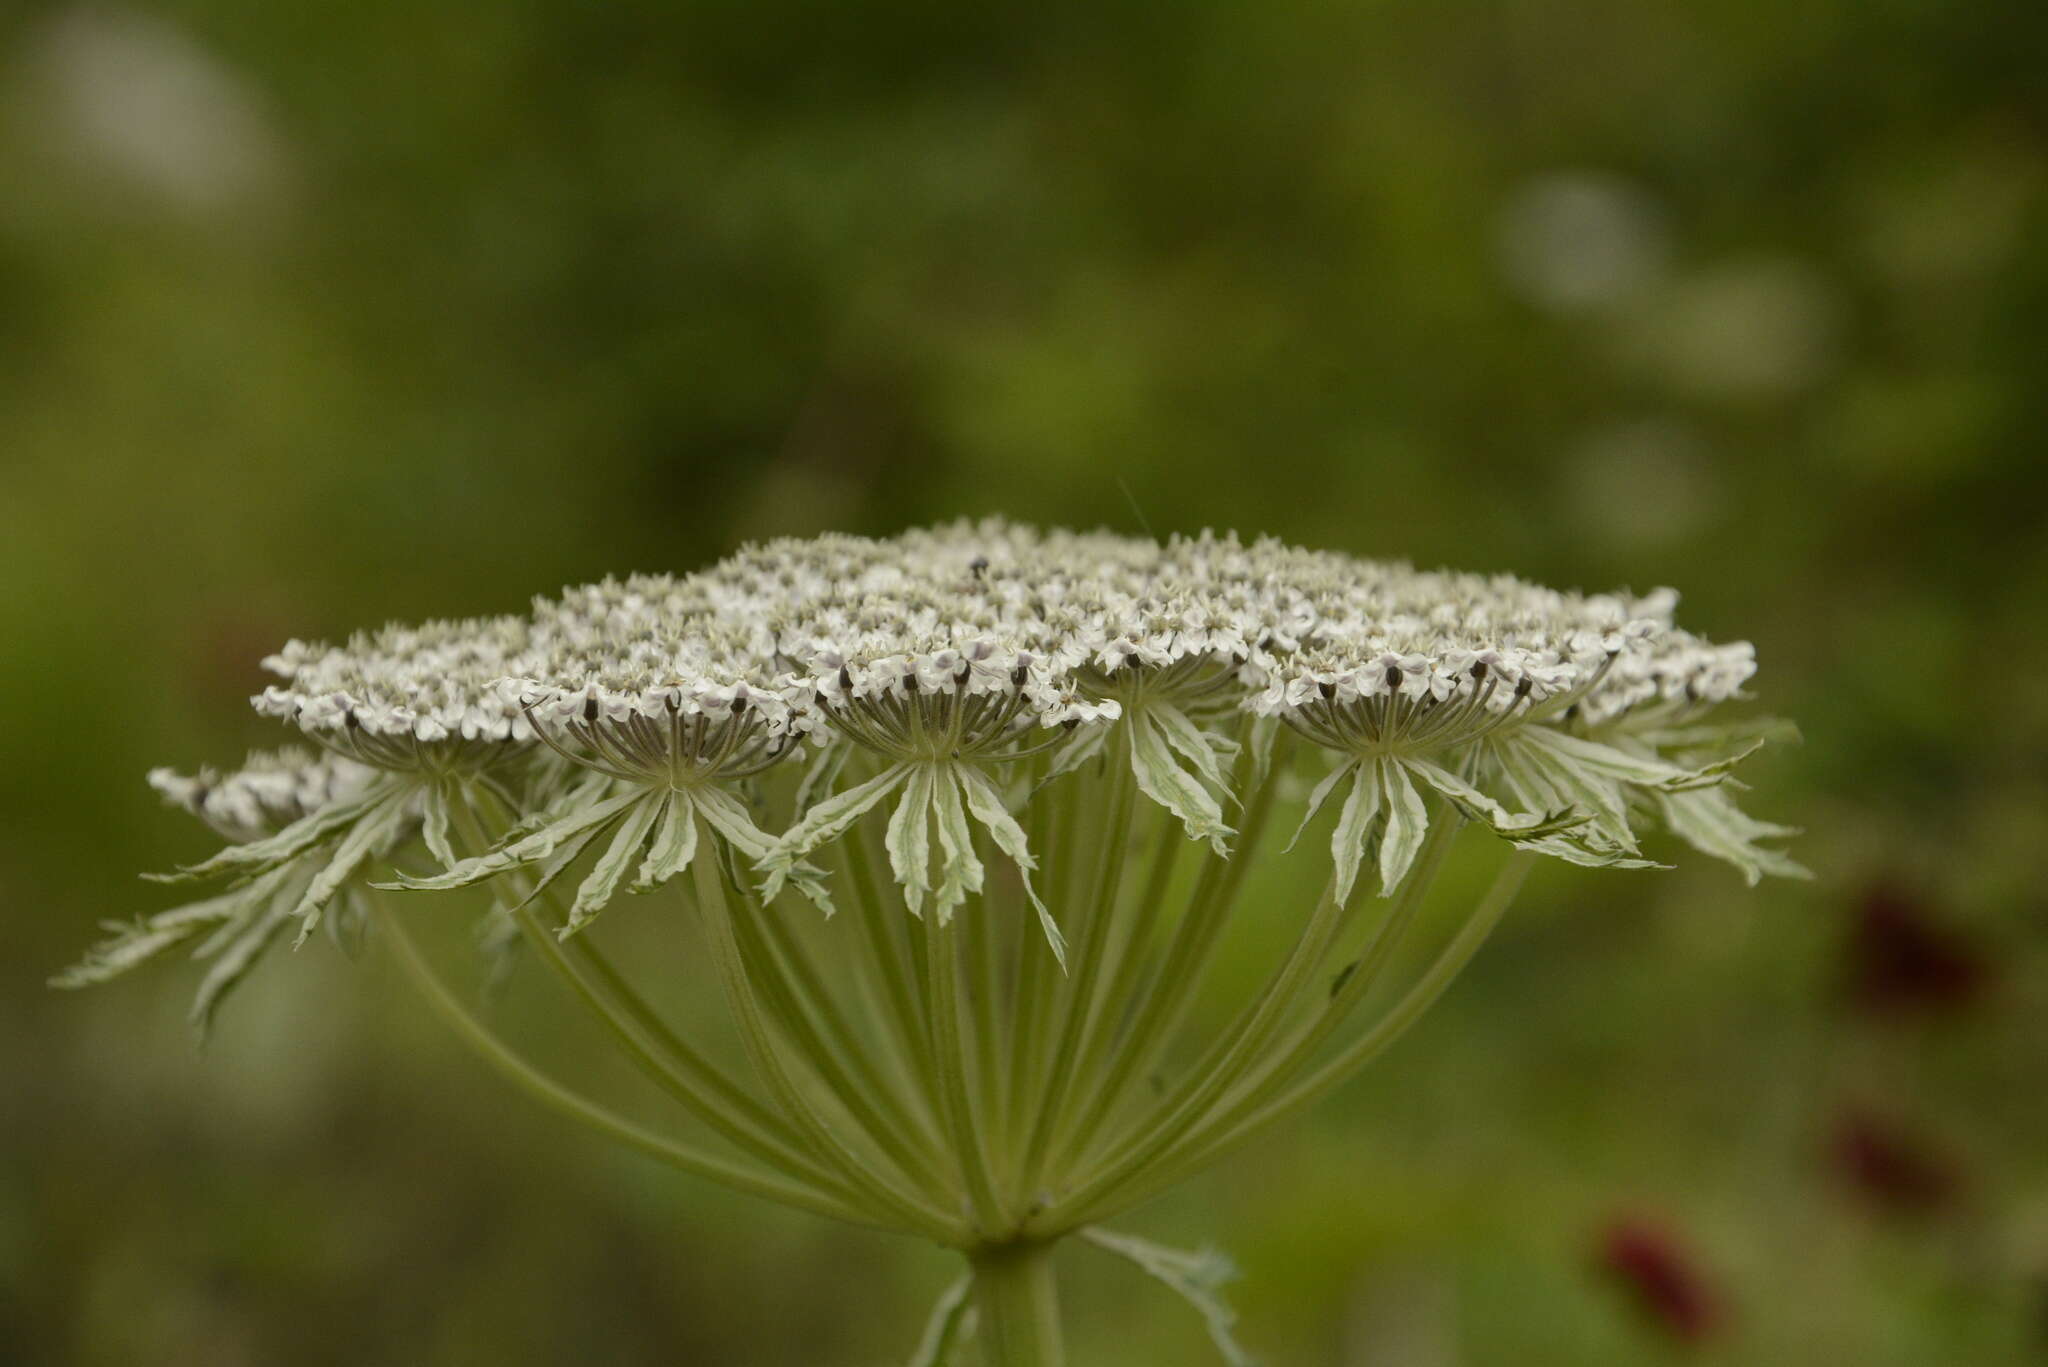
(1474, 805)
(986, 806)
(1548, 779)
(1407, 820)
(960, 871)
(1711, 823)
(674, 843)
(434, 820)
(1622, 767)
(909, 840)
(826, 822)
(536, 847)
(1171, 786)
(375, 830)
(1555, 828)
(130, 944)
(1203, 749)
(1317, 797)
(611, 868)
(728, 816)
(1197, 1277)
(260, 856)
(234, 961)
(1360, 830)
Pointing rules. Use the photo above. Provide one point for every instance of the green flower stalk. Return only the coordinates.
(961, 819)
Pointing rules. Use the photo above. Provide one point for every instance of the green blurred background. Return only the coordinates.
(315, 316)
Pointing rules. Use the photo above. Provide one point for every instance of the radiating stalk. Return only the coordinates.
(1233, 1054)
(698, 1085)
(986, 1017)
(1358, 979)
(1162, 1008)
(552, 1094)
(1037, 973)
(1305, 1093)
(1086, 965)
(1018, 1299)
(797, 1013)
(850, 1046)
(905, 1018)
(949, 1045)
(915, 1214)
(1072, 1136)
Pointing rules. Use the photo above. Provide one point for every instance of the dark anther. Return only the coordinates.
(978, 566)
(1478, 671)
(590, 709)
(1393, 678)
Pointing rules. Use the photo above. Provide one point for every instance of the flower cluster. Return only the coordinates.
(949, 672)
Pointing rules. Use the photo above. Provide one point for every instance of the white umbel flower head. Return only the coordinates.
(947, 674)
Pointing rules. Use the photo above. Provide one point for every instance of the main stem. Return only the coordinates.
(1019, 1303)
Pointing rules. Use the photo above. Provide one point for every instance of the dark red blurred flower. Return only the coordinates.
(1901, 959)
(1663, 1278)
(1889, 1166)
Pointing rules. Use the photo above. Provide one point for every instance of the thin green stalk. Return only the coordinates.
(1017, 1296)
(950, 1045)
(1338, 1070)
(735, 1127)
(913, 1213)
(686, 1076)
(1362, 972)
(1129, 954)
(1082, 1001)
(985, 1013)
(1037, 975)
(854, 1049)
(1162, 1009)
(560, 1099)
(1357, 981)
(905, 1019)
(795, 1011)
(1233, 1054)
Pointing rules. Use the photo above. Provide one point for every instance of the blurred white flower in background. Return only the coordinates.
(1643, 482)
(1579, 241)
(1759, 328)
(130, 97)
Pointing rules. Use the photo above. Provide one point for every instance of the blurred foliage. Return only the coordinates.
(312, 317)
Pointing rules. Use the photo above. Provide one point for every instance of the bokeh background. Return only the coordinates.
(316, 316)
